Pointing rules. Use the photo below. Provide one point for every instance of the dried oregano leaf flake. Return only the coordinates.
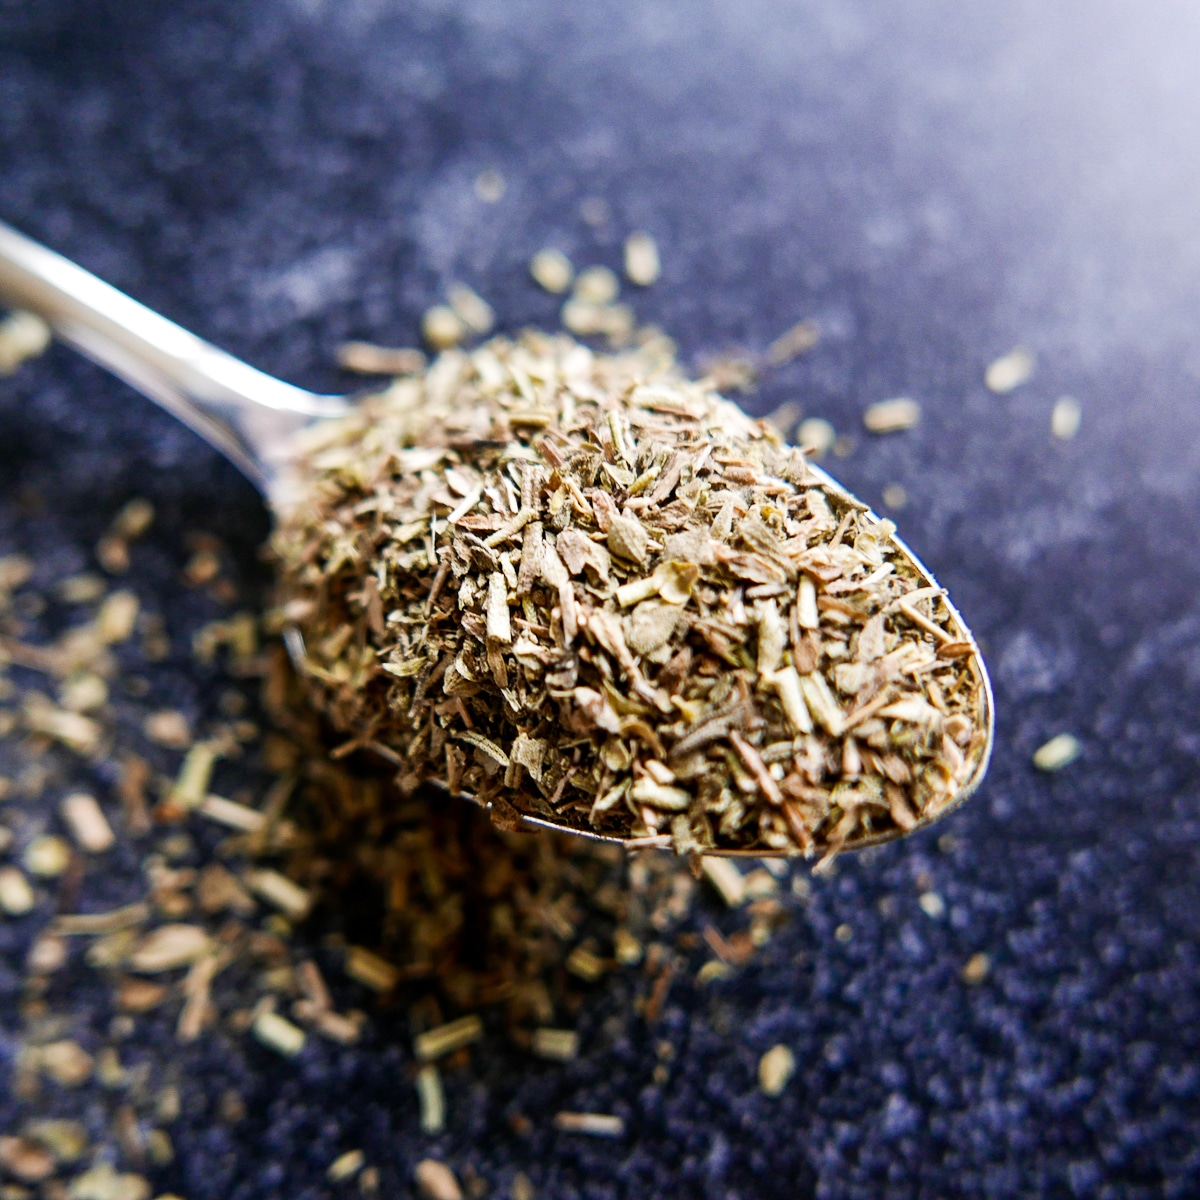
(583, 588)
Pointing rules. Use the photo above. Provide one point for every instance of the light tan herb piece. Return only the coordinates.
(368, 359)
(726, 878)
(370, 970)
(642, 265)
(976, 969)
(22, 336)
(815, 436)
(195, 774)
(83, 693)
(1060, 751)
(472, 309)
(16, 896)
(77, 732)
(442, 327)
(169, 728)
(66, 1140)
(47, 955)
(490, 186)
(551, 269)
(775, 1069)
(595, 1124)
(102, 923)
(232, 814)
(1066, 418)
(432, 1099)
(282, 892)
(104, 1182)
(892, 416)
(798, 340)
(66, 1062)
(170, 947)
(345, 1166)
(87, 823)
(25, 1160)
(445, 1039)
(561, 1045)
(1009, 371)
(435, 1181)
(46, 857)
(597, 285)
(278, 1033)
(82, 589)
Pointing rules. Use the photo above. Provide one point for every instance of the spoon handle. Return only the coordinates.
(246, 414)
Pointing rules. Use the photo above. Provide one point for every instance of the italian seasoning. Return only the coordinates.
(583, 588)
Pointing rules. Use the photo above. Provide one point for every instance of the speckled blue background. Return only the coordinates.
(933, 182)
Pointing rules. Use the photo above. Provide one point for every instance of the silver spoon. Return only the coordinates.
(246, 414)
(251, 418)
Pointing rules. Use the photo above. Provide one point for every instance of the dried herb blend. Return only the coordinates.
(184, 902)
(586, 589)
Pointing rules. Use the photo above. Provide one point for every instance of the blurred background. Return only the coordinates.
(932, 184)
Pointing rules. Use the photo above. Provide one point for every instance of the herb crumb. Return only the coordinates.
(442, 328)
(278, 1033)
(552, 270)
(1066, 418)
(16, 896)
(798, 340)
(345, 1166)
(775, 1069)
(1059, 752)
(1008, 372)
(976, 969)
(435, 1181)
(642, 266)
(892, 416)
(561, 1045)
(815, 436)
(490, 186)
(22, 336)
(431, 1099)
(87, 823)
(593, 1124)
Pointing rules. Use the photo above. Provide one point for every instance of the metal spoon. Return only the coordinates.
(252, 417)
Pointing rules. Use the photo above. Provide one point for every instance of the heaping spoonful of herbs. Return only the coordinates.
(579, 588)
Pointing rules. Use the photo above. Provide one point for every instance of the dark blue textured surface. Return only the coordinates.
(933, 182)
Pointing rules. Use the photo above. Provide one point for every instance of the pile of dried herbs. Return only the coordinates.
(585, 589)
(451, 912)
(235, 880)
